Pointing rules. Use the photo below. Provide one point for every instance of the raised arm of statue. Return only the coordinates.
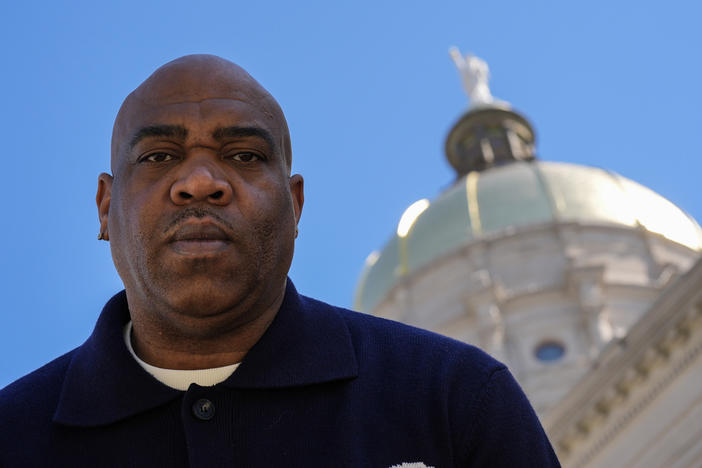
(474, 75)
(456, 56)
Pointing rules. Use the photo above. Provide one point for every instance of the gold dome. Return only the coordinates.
(518, 194)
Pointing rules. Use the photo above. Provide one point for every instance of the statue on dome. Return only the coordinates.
(474, 75)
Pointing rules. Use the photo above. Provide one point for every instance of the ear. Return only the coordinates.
(102, 198)
(297, 191)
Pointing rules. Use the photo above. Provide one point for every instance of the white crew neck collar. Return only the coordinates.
(177, 378)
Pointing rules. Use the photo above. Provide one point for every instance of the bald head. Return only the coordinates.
(195, 79)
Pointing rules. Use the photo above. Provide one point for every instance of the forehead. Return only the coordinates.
(207, 116)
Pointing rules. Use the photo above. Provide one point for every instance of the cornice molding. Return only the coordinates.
(630, 373)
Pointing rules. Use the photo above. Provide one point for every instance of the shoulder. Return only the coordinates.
(401, 348)
(458, 384)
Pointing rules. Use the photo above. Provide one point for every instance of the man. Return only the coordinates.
(210, 357)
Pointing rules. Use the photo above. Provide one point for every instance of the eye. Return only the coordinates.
(246, 157)
(157, 157)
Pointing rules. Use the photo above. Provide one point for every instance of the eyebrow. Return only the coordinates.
(243, 132)
(173, 131)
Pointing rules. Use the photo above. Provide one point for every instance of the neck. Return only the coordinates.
(175, 340)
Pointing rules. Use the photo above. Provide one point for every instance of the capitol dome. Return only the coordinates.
(503, 199)
(539, 263)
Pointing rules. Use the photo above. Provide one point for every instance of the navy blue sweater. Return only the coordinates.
(323, 387)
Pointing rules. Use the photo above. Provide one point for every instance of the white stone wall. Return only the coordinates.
(576, 284)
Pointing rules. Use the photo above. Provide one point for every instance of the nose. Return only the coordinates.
(201, 182)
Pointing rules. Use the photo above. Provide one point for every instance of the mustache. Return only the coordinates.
(196, 212)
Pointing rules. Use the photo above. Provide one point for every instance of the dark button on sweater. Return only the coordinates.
(204, 409)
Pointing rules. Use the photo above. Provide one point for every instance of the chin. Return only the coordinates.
(210, 300)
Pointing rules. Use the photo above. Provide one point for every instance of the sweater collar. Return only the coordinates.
(307, 343)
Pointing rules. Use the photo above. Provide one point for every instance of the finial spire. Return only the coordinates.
(475, 75)
(490, 133)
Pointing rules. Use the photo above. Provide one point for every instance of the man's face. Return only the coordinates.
(201, 213)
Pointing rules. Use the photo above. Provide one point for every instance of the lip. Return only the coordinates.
(196, 237)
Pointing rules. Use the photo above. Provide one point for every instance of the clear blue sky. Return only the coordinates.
(369, 92)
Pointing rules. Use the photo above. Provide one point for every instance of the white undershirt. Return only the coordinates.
(177, 378)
